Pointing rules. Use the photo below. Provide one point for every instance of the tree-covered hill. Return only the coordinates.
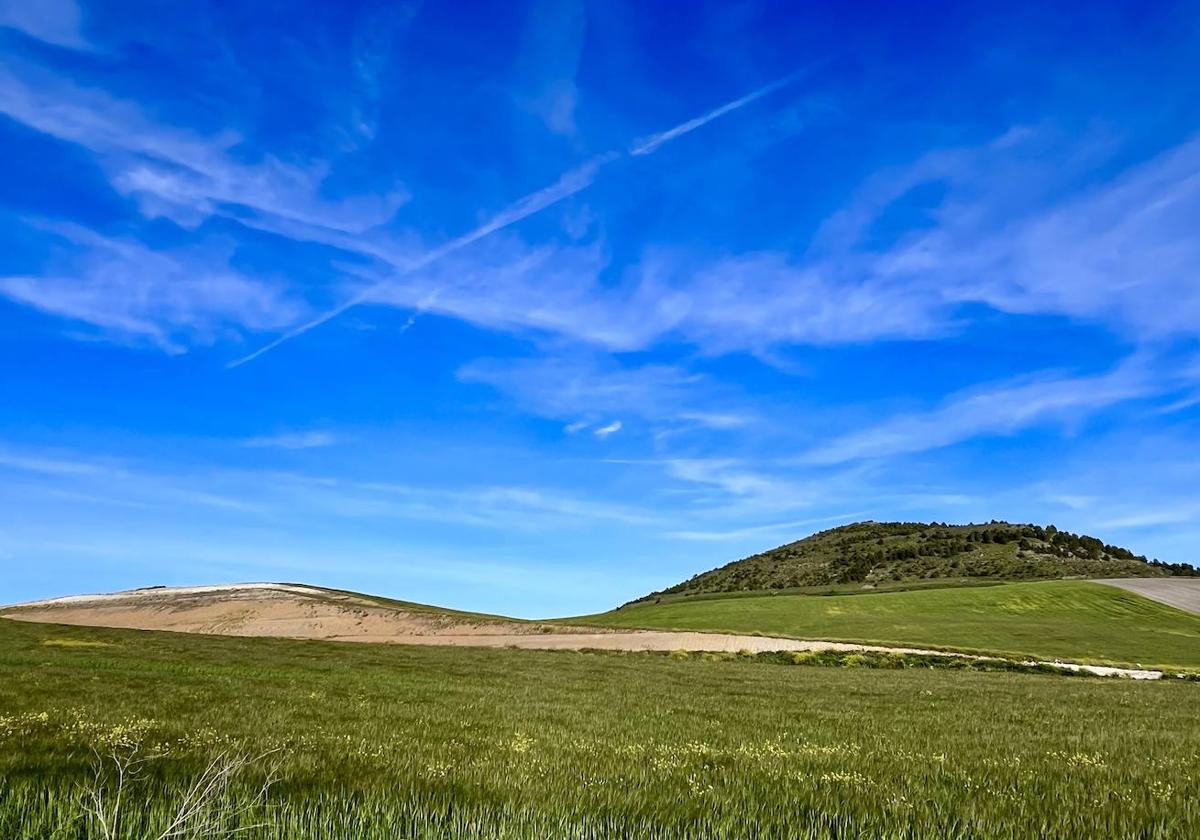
(883, 553)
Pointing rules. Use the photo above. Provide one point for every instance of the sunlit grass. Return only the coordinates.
(74, 643)
(1052, 619)
(387, 742)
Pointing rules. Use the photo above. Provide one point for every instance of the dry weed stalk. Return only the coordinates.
(206, 811)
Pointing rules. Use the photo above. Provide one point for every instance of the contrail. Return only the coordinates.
(646, 145)
(570, 183)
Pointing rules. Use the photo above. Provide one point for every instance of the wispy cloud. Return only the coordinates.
(189, 177)
(569, 183)
(57, 22)
(588, 389)
(843, 292)
(1158, 516)
(761, 300)
(716, 419)
(725, 473)
(774, 530)
(167, 298)
(50, 465)
(505, 284)
(493, 507)
(275, 496)
(1000, 409)
(607, 430)
(114, 482)
(292, 440)
(548, 61)
(1083, 257)
(180, 174)
(1181, 404)
(1027, 226)
(1141, 485)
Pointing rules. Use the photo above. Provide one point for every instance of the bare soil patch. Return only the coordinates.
(283, 610)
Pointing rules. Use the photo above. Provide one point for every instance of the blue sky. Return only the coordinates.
(536, 309)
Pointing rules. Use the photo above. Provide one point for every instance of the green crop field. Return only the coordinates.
(365, 741)
(1064, 619)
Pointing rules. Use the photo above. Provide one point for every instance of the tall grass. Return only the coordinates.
(391, 742)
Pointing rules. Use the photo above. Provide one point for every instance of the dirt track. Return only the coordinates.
(1181, 593)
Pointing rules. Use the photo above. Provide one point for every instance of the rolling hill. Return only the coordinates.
(1067, 619)
(884, 555)
(271, 609)
(899, 585)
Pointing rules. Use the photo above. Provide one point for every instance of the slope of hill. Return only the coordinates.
(296, 611)
(286, 610)
(883, 553)
(1077, 620)
(269, 609)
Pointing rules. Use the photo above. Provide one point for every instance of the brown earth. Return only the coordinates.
(283, 610)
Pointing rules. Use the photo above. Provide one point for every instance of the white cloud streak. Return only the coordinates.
(166, 298)
(1112, 254)
(647, 145)
(730, 476)
(275, 496)
(1002, 409)
(49, 465)
(179, 174)
(776, 530)
(57, 22)
(588, 390)
(292, 440)
(608, 430)
(1176, 514)
(571, 182)
(567, 185)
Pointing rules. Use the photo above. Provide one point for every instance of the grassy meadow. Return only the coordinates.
(365, 741)
(1049, 619)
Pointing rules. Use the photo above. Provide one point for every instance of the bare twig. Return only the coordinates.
(206, 811)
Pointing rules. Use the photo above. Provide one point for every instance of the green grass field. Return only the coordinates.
(393, 742)
(1051, 619)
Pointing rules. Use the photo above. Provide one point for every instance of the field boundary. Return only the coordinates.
(1178, 592)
